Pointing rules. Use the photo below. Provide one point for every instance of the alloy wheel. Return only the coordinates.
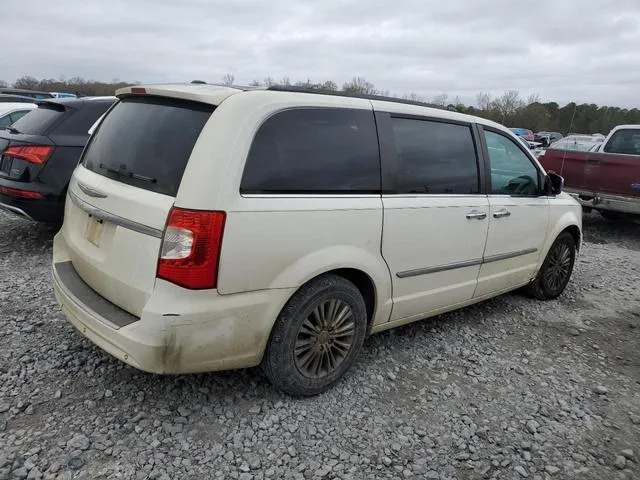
(325, 338)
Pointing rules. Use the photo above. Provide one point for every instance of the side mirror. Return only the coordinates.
(553, 184)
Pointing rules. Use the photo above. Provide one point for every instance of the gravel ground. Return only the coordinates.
(508, 389)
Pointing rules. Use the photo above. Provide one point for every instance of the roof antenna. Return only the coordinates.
(564, 155)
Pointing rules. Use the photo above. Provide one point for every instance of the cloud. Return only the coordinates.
(582, 50)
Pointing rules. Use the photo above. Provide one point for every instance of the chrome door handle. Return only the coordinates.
(501, 214)
(476, 216)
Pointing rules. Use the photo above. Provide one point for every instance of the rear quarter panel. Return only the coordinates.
(280, 241)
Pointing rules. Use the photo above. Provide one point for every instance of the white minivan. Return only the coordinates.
(212, 228)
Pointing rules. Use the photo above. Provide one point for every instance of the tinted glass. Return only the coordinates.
(15, 116)
(314, 151)
(512, 171)
(146, 142)
(41, 120)
(626, 142)
(435, 157)
(5, 120)
(80, 122)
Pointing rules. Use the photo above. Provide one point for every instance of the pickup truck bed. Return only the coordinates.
(602, 180)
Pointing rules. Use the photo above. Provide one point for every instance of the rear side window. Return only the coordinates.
(15, 116)
(146, 142)
(314, 150)
(5, 120)
(625, 142)
(435, 157)
(41, 120)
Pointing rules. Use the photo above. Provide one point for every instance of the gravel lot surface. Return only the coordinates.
(508, 389)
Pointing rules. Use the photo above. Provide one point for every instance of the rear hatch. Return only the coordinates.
(122, 192)
(25, 147)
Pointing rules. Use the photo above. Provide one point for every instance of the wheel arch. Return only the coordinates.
(570, 222)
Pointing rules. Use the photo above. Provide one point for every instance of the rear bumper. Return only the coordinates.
(606, 201)
(179, 331)
(46, 210)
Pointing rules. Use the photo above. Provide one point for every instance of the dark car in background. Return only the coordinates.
(39, 152)
(6, 98)
(547, 138)
(23, 92)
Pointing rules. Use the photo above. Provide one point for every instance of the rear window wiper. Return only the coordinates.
(123, 172)
(13, 130)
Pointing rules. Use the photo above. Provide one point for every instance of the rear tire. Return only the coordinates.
(317, 336)
(555, 272)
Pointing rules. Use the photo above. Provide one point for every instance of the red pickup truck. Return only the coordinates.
(607, 179)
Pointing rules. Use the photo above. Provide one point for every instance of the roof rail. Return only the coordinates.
(337, 93)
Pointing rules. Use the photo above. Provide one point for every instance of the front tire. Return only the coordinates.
(317, 336)
(556, 269)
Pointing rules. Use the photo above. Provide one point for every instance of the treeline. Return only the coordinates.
(75, 85)
(509, 108)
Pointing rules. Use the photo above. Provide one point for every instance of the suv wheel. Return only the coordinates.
(317, 336)
(556, 270)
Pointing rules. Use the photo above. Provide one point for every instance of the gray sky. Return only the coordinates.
(582, 50)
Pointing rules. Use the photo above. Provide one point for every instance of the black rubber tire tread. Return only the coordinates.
(278, 363)
(537, 288)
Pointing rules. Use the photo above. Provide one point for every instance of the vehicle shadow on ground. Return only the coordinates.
(25, 237)
(247, 388)
(599, 230)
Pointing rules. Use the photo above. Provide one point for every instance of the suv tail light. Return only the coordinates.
(16, 192)
(190, 251)
(37, 154)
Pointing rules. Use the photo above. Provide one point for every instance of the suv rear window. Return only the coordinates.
(41, 120)
(314, 150)
(82, 119)
(147, 141)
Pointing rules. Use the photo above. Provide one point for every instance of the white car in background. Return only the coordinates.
(10, 112)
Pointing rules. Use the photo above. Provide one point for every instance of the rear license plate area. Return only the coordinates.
(94, 230)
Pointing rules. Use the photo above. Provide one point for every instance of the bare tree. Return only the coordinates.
(329, 85)
(533, 98)
(26, 82)
(484, 101)
(3, 84)
(414, 97)
(508, 104)
(269, 81)
(441, 100)
(228, 79)
(359, 85)
(255, 83)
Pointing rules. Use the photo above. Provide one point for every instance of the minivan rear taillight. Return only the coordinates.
(37, 154)
(190, 250)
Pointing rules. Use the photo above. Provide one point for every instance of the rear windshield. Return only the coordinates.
(146, 142)
(41, 120)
